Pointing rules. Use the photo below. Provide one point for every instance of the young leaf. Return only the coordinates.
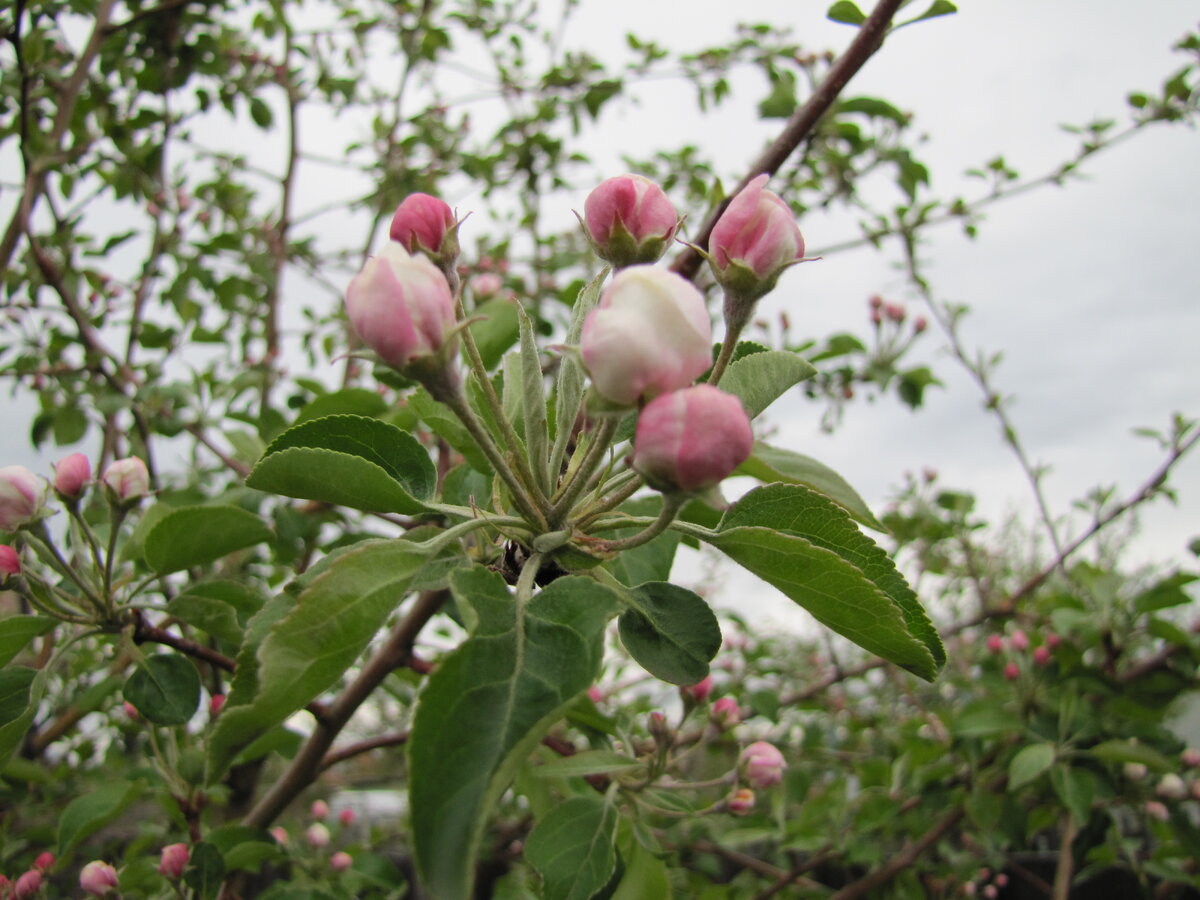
(589, 762)
(1029, 763)
(496, 330)
(195, 535)
(533, 404)
(165, 689)
(670, 631)
(86, 815)
(759, 379)
(348, 401)
(573, 848)
(651, 561)
(20, 691)
(807, 514)
(308, 649)
(445, 424)
(846, 13)
(487, 704)
(351, 461)
(769, 464)
(17, 631)
(569, 386)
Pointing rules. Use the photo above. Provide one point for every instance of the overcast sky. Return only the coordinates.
(1090, 291)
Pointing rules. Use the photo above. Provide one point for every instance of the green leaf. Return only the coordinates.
(645, 875)
(12, 690)
(313, 644)
(573, 849)
(445, 424)
(670, 631)
(86, 815)
(811, 516)
(196, 535)
(1165, 594)
(15, 684)
(589, 762)
(568, 390)
(939, 8)
(986, 721)
(17, 631)
(205, 871)
(769, 464)
(846, 13)
(165, 689)
(488, 703)
(351, 461)
(651, 561)
(1131, 751)
(260, 112)
(759, 379)
(1028, 764)
(1077, 789)
(533, 405)
(497, 331)
(348, 401)
(221, 608)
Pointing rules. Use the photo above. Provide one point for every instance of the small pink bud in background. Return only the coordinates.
(98, 878)
(895, 312)
(983, 874)
(995, 643)
(876, 317)
(401, 306)
(1194, 789)
(649, 334)
(630, 220)
(44, 860)
(27, 885)
(1041, 655)
(690, 440)
(215, 704)
(1135, 771)
(1052, 639)
(1190, 758)
(10, 563)
(1172, 787)
(127, 479)
(153, 209)
(341, 861)
(174, 860)
(762, 765)
(1019, 640)
(991, 892)
(920, 324)
(595, 694)
(1156, 810)
(71, 475)
(1012, 671)
(725, 713)
(698, 692)
(755, 239)
(426, 224)
(1001, 880)
(280, 834)
(23, 497)
(486, 284)
(317, 835)
(130, 711)
(741, 801)
(319, 810)
(970, 888)
(347, 817)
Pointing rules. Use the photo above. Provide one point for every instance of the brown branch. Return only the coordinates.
(387, 740)
(1029, 877)
(868, 40)
(1065, 869)
(902, 860)
(144, 632)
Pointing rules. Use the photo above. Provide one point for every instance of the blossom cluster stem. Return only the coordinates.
(577, 482)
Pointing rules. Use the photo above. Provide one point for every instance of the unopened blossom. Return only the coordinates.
(741, 801)
(317, 835)
(127, 480)
(426, 224)
(725, 713)
(754, 241)
(28, 885)
(71, 475)
(1190, 758)
(280, 834)
(995, 643)
(10, 563)
(1019, 640)
(1135, 771)
(215, 704)
(648, 335)
(1172, 787)
(347, 817)
(698, 692)
(630, 220)
(341, 861)
(23, 497)
(1156, 810)
(44, 861)
(692, 439)
(98, 878)
(174, 860)
(401, 307)
(1041, 655)
(762, 765)
(486, 284)
(1012, 671)
(319, 810)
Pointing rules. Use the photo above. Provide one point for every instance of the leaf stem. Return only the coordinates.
(576, 483)
(672, 503)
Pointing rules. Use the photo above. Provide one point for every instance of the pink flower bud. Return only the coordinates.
(1052, 640)
(595, 694)
(1135, 771)
(27, 885)
(1172, 787)
(174, 860)
(71, 474)
(319, 810)
(317, 835)
(699, 691)
(5, 885)
(22, 497)
(1012, 671)
(895, 312)
(991, 892)
(725, 713)
(280, 834)
(920, 324)
(1041, 655)
(1190, 758)
(649, 334)
(98, 878)
(347, 817)
(690, 440)
(341, 861)
(10, 563)
(127, 480)
(1001, 880)
(44, 860)
(762, 765)
(1156, 810)
(995, 643)
(741, 801)
(401, 306)
(970, 888)
(1019, 640)
(630, 220)
(215, 704)
(486, 284)
(131, 712)
(755, 239)
(426, 224)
